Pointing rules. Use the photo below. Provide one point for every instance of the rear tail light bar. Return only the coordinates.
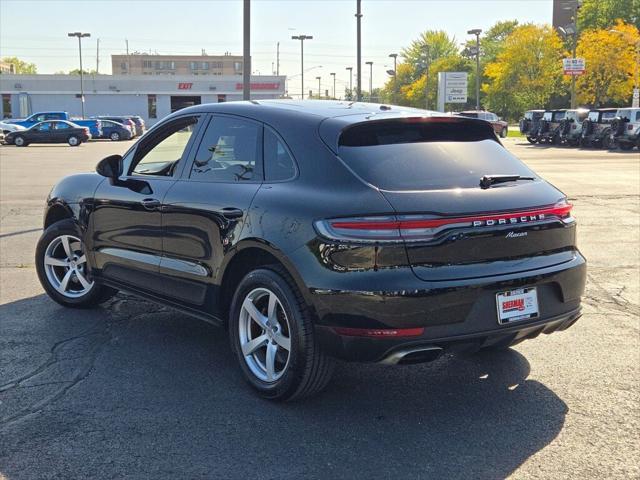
(424, 228)
(379, 332)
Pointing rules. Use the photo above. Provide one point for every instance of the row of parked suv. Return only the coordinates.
(60, 127)
(608, 128)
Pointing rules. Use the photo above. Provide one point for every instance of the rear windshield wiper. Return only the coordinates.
(487, 180)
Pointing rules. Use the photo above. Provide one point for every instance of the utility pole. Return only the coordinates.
(318, 78)
(395, 76)
(128, 60)
(333, 74)
(370, 80)
(80, 36)
(427, 60)
(246, 52)
(278, 59)
(477, 32)
(359, 50)
(302, 38)
(98, 57)
(350, 82)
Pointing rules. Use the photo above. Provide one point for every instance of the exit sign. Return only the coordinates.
(185, 86)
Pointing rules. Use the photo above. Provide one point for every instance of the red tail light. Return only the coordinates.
(423, 227)
(379, 332)
(629, 127)
(574, 127)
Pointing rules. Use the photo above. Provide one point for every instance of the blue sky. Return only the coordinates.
(37, 30)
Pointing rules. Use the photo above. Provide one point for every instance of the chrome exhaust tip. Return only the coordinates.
(412, 355)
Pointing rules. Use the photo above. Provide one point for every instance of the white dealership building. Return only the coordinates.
(151, 97)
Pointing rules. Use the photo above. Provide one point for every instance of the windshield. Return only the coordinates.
(608, 115)
(624, 113)
(431, 165)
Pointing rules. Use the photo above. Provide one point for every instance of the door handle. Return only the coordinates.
(150, 203)
(231, 213)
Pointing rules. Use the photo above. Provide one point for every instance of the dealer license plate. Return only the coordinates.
(517, 305)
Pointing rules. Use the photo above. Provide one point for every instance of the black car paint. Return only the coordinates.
(183, 252)
(34, 135)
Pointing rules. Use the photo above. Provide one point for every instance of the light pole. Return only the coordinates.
(477, 32)
(359, 50)
(395, 78)
(573, 31)
(333, 74)
(80, 36)
(350, 82)
(370, 79)
(636, 82)
(318, 78)
(302, 38)
(246, 51)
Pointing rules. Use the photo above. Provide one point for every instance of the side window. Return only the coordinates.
(229, 152)
(638, 116)
(61, 126)
(44, 127)
(40, 118)
(160, 154)
(278, 164)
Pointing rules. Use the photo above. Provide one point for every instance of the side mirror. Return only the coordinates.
(110, 167)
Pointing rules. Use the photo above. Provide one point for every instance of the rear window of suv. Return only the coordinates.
(401, 156)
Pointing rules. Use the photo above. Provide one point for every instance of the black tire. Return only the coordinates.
(308, 369)
(115, 137)
(626, 146)
(95, 295)
(74, 141)
(504, 132)
(532, 140)
(20, 141)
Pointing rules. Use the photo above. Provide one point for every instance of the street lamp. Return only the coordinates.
(636, 82)
(572, 30)
(477, 32)
(370, 79)
(319, 94)
(395, 78)
(302, 38)
(80, 36)
(350, 82)
(333, 74)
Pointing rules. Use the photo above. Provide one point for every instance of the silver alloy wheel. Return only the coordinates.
(115, 136)
(265, 336)
(73, 141)
(65, 266)
(19, 141)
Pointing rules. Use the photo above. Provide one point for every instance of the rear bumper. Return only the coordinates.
(451, 312)
(398, 351)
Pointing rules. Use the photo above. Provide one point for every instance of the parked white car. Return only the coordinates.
(10, 127)
(625, 129)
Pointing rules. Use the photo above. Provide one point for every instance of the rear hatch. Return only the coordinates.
(430, 170)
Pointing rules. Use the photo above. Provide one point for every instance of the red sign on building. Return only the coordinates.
(261, 86)
(185, 86)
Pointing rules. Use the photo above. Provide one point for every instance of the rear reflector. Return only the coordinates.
(379, 332)
(420, 227)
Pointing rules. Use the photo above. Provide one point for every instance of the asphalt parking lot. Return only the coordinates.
(139, 391)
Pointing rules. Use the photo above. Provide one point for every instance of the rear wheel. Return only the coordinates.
(532, 139)
(61, 263)
(115, 136)
(73, 141)
(273, 337)
(19, 141)
(504, 132)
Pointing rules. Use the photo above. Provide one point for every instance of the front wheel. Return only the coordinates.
(272, 334)
(73, 141)
(61, 263)
(19, 141)
(532, 140)
(115, 136)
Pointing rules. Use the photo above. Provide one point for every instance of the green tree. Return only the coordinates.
(429, 47)
(526, 73)
(76, 71)
(603, 14)
(20, 66)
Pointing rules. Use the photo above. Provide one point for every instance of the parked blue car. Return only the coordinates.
(116, 131)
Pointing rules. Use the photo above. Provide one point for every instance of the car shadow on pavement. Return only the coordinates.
(140, 391)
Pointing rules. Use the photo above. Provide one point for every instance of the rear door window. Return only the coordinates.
(278, 163)
(400, 156)
(230, 151)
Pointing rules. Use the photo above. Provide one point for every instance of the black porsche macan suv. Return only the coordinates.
(314, 230)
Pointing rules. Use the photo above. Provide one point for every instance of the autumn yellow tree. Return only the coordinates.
(610, 61)
(527, 72)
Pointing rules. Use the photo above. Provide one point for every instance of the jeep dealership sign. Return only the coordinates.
(573, 66)
(452, 88)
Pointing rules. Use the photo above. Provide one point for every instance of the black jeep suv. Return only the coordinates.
(314, 230)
